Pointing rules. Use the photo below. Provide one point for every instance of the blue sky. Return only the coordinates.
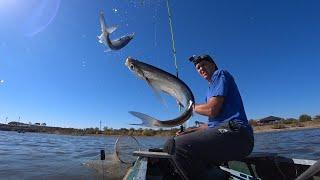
(55, 71)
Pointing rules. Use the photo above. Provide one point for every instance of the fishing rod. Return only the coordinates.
(174, 52)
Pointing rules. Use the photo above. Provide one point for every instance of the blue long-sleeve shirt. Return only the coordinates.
(223, 84)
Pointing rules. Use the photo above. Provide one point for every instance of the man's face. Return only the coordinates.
(205, 69)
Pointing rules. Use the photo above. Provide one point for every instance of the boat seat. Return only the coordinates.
(149, 154)
(260, 155)
(161, 155)
(282, 167)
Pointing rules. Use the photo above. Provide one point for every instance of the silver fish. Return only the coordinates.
(161, 80)
(104, 38)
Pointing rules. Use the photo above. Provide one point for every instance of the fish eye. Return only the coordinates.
(131, 67)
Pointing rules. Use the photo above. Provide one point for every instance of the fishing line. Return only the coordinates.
(102, 170)
(102, 158)
(155, 34)
(172, 40)
(174, 53)
(155, 18)
(67, 168)
(102, 152)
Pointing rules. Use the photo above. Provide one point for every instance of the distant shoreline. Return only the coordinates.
(303, 126)
(267, 128)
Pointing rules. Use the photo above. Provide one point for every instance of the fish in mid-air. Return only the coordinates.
(104, 38)
(162, 81)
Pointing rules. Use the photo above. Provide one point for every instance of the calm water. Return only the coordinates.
(47, 156)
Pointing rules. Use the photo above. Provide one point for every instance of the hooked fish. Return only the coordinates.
(162, 81)
(104, 38)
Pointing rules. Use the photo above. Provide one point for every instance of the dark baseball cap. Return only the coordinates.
(195, 59)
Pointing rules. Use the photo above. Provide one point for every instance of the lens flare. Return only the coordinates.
(41, 16)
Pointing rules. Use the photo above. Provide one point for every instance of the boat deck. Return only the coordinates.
(160, 165)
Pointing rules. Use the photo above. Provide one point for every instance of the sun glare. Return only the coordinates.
(6, 3)
(9, 5)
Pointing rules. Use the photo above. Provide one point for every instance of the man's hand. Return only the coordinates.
(203, 126)
(192, 129)
(187, 131)
(180, 133)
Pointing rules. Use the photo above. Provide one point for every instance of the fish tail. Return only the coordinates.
(111, 29)
(104, 27)
(146, 120)
(131, 35)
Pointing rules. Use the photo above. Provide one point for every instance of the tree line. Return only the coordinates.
(131, 131)
(292, 122)
(283, 123)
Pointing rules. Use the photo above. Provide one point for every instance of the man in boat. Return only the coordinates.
(226, 136)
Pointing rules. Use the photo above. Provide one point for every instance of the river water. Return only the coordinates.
(50, 156)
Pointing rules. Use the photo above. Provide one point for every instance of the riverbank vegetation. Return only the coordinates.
(303, 122)
(88, 131)
(273, 124)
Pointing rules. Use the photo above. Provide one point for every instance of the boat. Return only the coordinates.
(158, 165)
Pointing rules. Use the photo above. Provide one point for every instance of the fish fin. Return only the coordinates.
(108, 50)
(101, 41)
(102, 20)
(180, 104)
(191, 103)
(131, 35)
(147, 121)
(191, 106)
(112, 29)
(103, 24)
(156, 90)
(136, 124)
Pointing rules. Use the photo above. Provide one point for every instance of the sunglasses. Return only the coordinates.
(196, 59)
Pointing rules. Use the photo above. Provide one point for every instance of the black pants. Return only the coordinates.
(194, 151)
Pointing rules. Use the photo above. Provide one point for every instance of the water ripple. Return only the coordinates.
(50, 156)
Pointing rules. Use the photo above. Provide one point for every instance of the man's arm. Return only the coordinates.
(212, 108)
